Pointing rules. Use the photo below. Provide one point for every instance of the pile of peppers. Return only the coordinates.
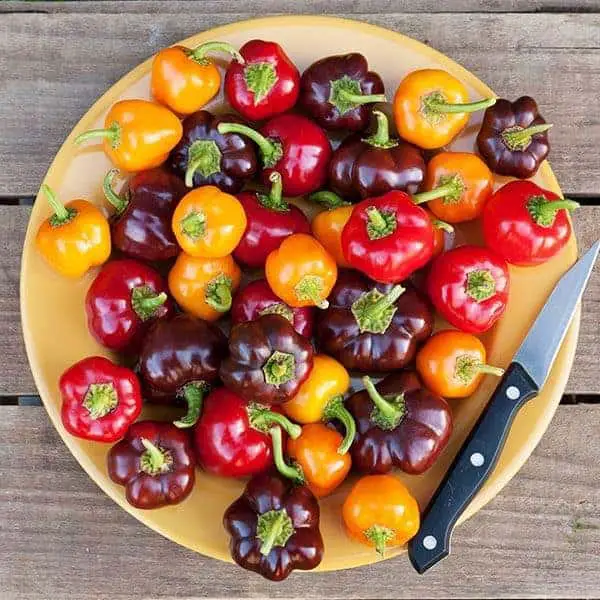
(294, 351)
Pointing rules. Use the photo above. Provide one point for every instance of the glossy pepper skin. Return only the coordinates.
(100, 399)
(75, 238)
(204, 287)
(155, 463)
(186, 79)
(372, 326)
(209, 223)
(327, 225)
(513, 138)
(388, 237)
(268, 360)
(137, 134)
(431, 107)
(452, 364)
(316, 452)
(293, 146)
(380, 512)
(141, 225)
(125, 298)
(457, 186)
(526, 224)
(399, 423)
(469, 286)
(363, 167)
(234, 438)
(180, 358)
(257, 299)
(274, 527)
(206, 157)
(265, 85)
(270, 220)
(336, 91)
(301, 272)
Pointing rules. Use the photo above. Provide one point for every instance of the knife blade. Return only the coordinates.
(522, 381)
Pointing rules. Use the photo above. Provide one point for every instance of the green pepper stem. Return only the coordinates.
(387, 411)
(376, 219)
(439, 224)
(490, 370)
(266, 146)
(61, 213)
(119, 203)
(154, 460)
(516, 138)
(273, 534)
(262, 418)
(335, 409)
(551, 208)
(112, 133)
(293, 472)
(437, 192)
(199, 52)
(328, 199)
(145, 301)
(441, 106)
(360, 99)
(193, 393)
(379, 306)
(274, 200)
(379, 536)
(218, 293)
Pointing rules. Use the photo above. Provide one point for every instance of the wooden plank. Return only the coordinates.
(62, 537)
(56, 65)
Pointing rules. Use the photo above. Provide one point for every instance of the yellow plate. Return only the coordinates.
(56, 334)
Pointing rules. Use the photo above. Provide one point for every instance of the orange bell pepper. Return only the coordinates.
(327, 225)
(452, 363)
(315, 451)
(75, 238)
(457, 185)
(204, 287)
(185, 80)
(380, 511)
(137, 134)
(301, 272)
(321, 398)
(431, 108)
(209, 223)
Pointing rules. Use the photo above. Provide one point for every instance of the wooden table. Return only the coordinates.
(61, 537)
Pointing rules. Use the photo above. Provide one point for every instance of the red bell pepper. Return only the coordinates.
(388, 237)
(235, 438)
(292, 145)
(266, 84)
(270, 220)
(123, 301)
(100, 399)
(526, 224)
(468, 286)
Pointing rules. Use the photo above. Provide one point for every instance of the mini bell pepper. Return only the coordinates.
(457, 186)
(513, 138)
(380, 512)
(468, 286)
(301, 272)
(431, 108)
(363, 167)
(321, 398)
(399, 423)
(137, 134)
(270, 220)
(257, 299)
(336, 91)
(179, 360)
(155, 463)
(206, 157)
(100, 399)
(209, 223)
(452, 364)
(204, 287)
(388, 238)
(316, 453)
(274, 527)
(327, 225)
(268, 360)
(293, 146)
(526, 224)
(372, 326)
(185, 79)
(234, 438)
(265, 84)
(125, 298)
(141, 225)
(75, 238)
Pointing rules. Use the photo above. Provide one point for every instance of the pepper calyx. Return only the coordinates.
(146, 302)
(274, 199)
(204, 157)
(387, 411)
(310, 288)
(374, 310)
(380, 223)
(112, 133)
(449, 188)
(435, 105)
(335, 409)
(218, 293)
(381, 137)
(278, 308)
(518, 139)
(262, 418)
(379, 536)
(193, 225)
(346, 94)
(155, 460)
(62, 215)
(279, 368)
(100, 400)
(260, 78)
(543, 211)
(193, 393)
(468, 367)
(480, 285)
(274, 528)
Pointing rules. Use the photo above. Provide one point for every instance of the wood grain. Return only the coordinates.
(55, 65)
(62, 537)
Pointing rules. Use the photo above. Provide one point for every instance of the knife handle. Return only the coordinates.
(471, 467)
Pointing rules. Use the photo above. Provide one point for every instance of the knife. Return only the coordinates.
(522, 381)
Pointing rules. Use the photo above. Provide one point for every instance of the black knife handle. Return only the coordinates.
(471, 467)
